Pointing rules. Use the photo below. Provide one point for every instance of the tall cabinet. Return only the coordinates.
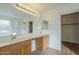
(70, 27)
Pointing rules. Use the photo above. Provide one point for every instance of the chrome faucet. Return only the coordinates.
(13, 36)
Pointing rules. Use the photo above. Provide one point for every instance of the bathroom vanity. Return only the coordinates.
(22, 46)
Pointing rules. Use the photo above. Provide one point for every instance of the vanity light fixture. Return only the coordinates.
(27, 9)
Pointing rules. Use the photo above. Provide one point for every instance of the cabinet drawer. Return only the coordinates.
(28, 42)
(5, 51)
(25, 50)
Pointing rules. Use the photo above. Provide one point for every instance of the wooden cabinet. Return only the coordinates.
(24, 48)
(42, 43)
(21, 48)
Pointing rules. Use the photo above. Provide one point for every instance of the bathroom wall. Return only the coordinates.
(54, 18)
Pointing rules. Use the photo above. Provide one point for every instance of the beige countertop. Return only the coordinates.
(20, 38)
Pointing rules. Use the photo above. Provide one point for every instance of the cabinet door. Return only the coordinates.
(23, 47)
(13, 50)
(29, 50)
(42, 43)
(45, 42)
(26, 50)
(23, 50)
(39, 44)
(10, 50)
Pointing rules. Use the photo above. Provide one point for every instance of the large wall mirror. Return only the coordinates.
(4, 27)
(8, 27)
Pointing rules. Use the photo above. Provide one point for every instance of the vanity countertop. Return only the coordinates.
(20, 38)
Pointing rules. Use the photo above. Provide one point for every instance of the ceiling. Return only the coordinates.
(9, 8)
(46, 6)
(39, 6)
(42, 8)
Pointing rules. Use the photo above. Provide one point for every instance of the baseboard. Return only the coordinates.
(71, 43)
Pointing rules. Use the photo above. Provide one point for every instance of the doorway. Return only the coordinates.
(70, 33)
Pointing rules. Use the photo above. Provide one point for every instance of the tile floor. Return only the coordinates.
(67, 49)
